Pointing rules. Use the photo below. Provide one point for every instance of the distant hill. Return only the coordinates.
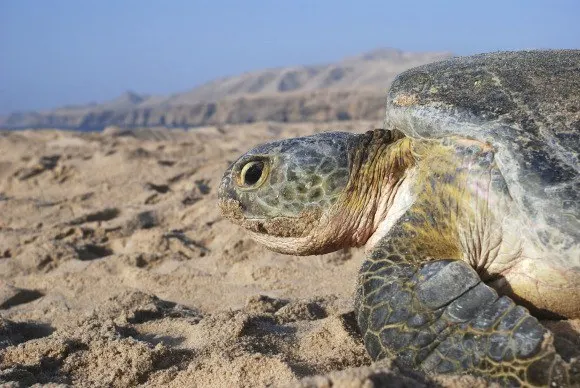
(353, 88)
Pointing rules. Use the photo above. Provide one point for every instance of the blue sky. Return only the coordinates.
(56, 52)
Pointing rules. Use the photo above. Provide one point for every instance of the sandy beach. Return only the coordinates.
(116, 269)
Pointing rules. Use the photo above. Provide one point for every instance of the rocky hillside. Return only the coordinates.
(353, 88)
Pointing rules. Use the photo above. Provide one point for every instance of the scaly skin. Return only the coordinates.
(419, 303)
(437, 219)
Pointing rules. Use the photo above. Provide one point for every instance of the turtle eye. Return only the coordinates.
(253, 174)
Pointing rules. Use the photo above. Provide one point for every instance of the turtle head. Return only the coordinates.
(295, 196)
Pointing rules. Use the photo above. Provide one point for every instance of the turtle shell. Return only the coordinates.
(526, 104)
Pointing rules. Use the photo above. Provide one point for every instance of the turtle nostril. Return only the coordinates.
(252, 172)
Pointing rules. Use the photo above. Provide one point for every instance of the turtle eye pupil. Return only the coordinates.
(252, 172)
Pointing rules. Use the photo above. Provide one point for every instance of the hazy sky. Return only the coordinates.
(55, 52)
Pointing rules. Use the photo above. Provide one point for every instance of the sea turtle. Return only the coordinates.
(467, 204)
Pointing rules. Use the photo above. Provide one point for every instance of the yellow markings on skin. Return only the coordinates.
(441, 205)
(377, 165)
(401, 154)
(450, 217)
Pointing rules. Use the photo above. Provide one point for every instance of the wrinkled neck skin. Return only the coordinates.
(380, 165)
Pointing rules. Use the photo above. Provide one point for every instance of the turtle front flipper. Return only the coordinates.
(439, 316)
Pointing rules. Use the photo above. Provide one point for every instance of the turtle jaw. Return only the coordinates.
(300, 246)
(325, 235)
(308, 234)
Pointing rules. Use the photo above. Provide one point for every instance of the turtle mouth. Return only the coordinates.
(233, 210)
(280, 226)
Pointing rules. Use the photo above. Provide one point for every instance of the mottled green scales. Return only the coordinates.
(467, 205)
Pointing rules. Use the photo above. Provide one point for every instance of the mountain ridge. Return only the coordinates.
(352, 88)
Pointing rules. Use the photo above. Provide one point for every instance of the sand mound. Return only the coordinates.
(117, 270)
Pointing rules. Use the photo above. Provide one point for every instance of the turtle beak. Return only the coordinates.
(226, 192)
